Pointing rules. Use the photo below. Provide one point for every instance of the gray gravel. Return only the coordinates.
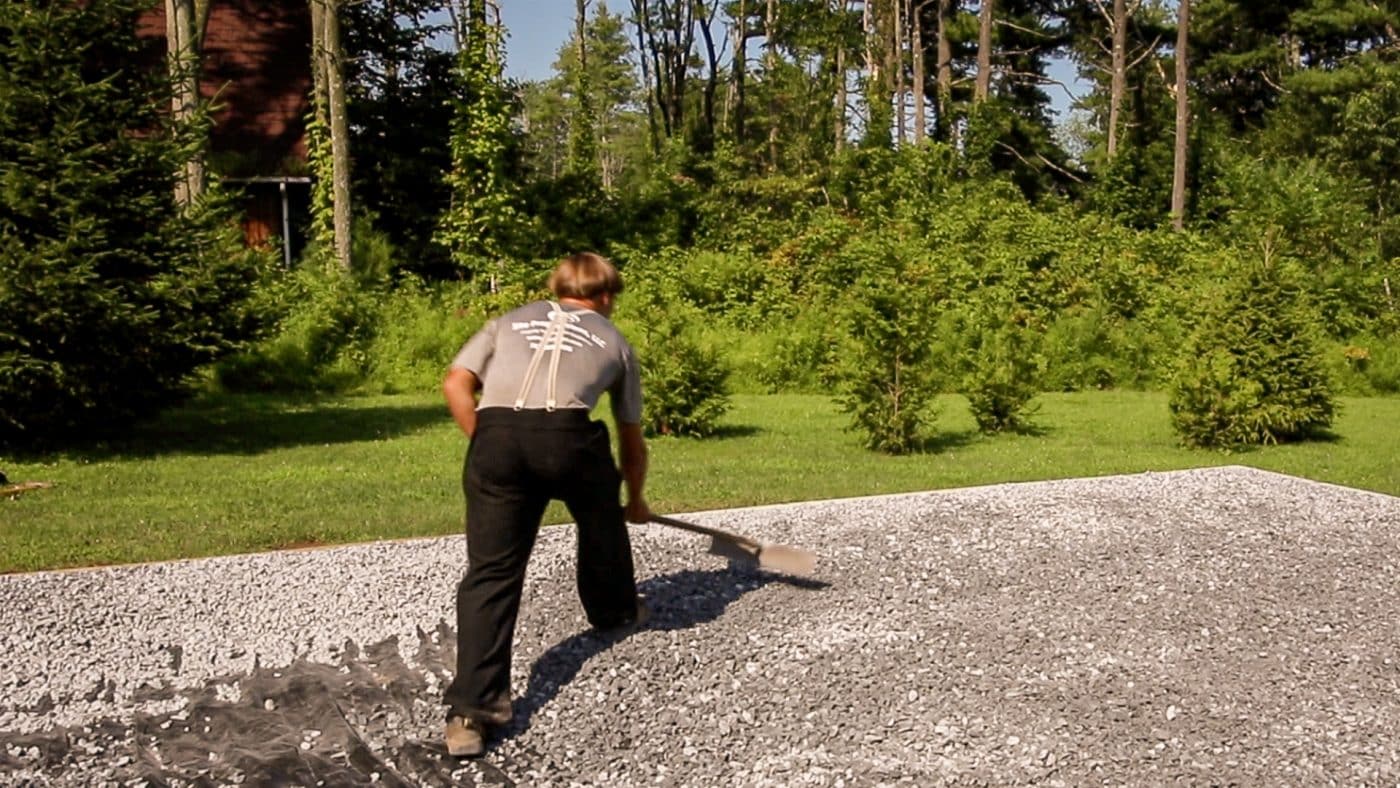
(1217, 626)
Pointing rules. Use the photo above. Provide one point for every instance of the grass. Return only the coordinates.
(246, 474)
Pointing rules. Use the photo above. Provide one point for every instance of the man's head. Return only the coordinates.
(586, 277)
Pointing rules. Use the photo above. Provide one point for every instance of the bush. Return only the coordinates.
(882, 376)
(1252, 372)
(1366, 365)
(685, 385)
(1002, 380)
(325, 321)
(112, 295)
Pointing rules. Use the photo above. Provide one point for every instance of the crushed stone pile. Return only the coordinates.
(1221, 626)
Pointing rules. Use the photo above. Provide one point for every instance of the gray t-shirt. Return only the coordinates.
(593, 357)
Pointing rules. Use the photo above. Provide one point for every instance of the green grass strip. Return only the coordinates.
(245, 474)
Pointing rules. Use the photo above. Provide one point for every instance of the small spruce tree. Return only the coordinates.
(1252, 372)
(111, 295)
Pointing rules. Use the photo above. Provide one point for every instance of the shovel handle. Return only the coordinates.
(661, 519)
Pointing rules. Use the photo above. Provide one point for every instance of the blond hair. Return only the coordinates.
(584, 275)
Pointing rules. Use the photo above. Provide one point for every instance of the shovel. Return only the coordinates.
(771, 557)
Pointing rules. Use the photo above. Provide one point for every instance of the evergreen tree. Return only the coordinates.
(111, 294)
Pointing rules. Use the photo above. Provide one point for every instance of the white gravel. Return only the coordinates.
(1219, 625)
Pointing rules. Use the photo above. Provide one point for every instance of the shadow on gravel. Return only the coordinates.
(679, 600)
(369, 717)
(358, 722)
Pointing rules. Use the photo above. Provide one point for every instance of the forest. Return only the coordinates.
(869, 198)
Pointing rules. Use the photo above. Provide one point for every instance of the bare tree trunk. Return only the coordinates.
(916, 43)
(984, 52)
(897, 71)
(945, 72)
(185, 23)
(1182, 117)
(340, 132)
(839, 103)
(707, 131)
(1120, 68)
(650, 76)
(770, 30)
(741, 58)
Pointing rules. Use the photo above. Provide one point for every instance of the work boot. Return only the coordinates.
(466, 738)
(640, 617)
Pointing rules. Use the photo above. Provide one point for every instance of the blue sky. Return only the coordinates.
(537, 28)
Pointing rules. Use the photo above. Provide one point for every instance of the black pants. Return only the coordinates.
(518, 461)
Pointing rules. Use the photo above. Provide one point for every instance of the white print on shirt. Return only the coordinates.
(574, 336)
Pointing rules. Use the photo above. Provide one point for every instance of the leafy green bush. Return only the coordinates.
(418, 330)
(111, 294)
(685, 385)
(1365, 365)
(1252, 372)
(320, 342)
(1002, 380)
(882, 375)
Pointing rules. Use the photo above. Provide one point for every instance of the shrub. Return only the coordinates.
(883, 376)
(319, 343)
(1002, 380)
(1252, 372)
(419, 329)
(1366, 365)
(685, 385)
(111, 294)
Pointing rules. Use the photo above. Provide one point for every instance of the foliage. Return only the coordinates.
(1252, 372)
(1002, 375)
(882, 376)
(112, 296)
(483, 221)
(685, 385)
(401, 88)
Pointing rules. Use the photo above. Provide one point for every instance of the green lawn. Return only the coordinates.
(246, 474)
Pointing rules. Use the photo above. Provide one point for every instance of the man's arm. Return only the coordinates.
(632, 452)
(459, 388)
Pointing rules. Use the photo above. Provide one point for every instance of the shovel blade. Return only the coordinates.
(734, 551)
(787, 560)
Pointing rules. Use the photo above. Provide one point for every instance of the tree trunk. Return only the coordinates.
(984, 52)
(1120, 68)
(839, 103)
(916, 43)
(897, 71)
(340, 132)
(741, 58)
(770, 31)
(322, 230)
(945, 72)
(1182, 117)
(650, 76)
(706, 136)
(185, 23)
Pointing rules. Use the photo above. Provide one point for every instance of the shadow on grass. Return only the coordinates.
(679, 600)
(947, 441)
(256, 424)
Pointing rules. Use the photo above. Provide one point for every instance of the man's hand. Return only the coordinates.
(638, 511)
(459, 389)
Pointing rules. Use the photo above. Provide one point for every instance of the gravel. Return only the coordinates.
(1221, 626)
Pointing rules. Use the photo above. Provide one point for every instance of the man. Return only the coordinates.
(539, 370)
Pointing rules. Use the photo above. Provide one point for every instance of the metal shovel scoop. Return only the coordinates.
(771, 557)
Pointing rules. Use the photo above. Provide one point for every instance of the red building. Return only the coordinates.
(257, 73)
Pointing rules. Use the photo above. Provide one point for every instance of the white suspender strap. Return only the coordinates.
(553, 338)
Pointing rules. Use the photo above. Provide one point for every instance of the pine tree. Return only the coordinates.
(111, 294)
